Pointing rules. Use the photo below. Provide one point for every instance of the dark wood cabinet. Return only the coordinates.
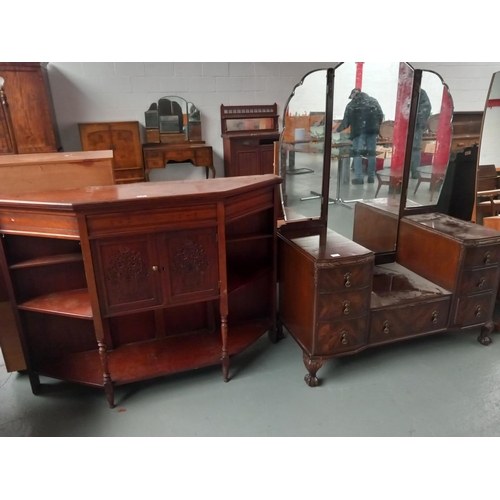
(123, 138)
(27, 117)
(248, 136)
(110, 285)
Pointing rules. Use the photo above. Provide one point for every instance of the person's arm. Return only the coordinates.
(345, 121)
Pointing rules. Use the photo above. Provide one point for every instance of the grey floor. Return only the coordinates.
(443, 385)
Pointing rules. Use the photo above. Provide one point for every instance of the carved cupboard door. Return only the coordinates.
(191, 264)
(128, 273)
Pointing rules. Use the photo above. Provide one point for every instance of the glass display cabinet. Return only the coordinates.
(366, 257)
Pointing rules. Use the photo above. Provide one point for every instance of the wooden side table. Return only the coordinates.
(158, 155)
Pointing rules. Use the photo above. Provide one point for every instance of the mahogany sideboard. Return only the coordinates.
(157, 155)
(116, 284)
(444, 278)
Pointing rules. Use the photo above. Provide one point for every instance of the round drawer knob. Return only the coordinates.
(343, 337)
(479, 311)
(481, 283)
(155, 268)
(487, 257)
(434, 317)
(385, 324)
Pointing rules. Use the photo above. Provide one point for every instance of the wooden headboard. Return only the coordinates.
(42, 171)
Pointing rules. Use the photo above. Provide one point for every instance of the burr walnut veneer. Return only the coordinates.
(116, 284)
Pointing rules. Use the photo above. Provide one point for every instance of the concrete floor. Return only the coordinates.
(443, 385)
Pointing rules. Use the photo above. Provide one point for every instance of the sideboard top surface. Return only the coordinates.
(143, 193)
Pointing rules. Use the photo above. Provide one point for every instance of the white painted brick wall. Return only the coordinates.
(107, 91)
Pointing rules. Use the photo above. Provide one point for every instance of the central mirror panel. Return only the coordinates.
(371, 118)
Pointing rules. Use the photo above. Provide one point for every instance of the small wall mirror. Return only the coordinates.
(173, 120)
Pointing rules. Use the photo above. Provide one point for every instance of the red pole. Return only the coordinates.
(443, 136)
(405, 83)
(359, 75)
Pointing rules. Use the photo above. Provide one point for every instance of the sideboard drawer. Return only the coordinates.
(400, 322)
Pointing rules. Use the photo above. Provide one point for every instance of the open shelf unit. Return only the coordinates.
(141, 292)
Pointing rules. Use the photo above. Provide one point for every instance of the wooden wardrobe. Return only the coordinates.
(27, 117)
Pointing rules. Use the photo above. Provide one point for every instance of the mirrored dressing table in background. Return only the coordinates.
(173, 134)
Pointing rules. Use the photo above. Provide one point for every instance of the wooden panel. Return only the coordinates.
(9, 340)
(38, 223)
(375, 229)
(38, 172)
(426, 252)
(190, 260)
(296, 302)
(154, 220)
(95, 136)
(30, 103)
(244, 205)
(128, 274)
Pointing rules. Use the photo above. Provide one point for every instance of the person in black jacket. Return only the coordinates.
(423, 113)
(364, 115)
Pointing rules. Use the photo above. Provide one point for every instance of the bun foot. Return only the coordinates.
(484, 339)
(311, 381)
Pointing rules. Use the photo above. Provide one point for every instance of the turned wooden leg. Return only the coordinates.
(225, 354)
(34, 382)
(312, 365)
(109, 391)
(486, 329)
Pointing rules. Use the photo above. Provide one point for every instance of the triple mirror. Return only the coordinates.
(379, 133)
(173, 119)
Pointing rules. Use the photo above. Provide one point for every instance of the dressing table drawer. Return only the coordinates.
(151, 155)
(154, 163)
(482, 256)
(344, 277)
(401, 322)
(474, 309)
(479, 280)
(340, 336)
(336, 306)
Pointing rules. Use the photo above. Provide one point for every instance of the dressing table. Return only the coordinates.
(173, 134)
(390, 267)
